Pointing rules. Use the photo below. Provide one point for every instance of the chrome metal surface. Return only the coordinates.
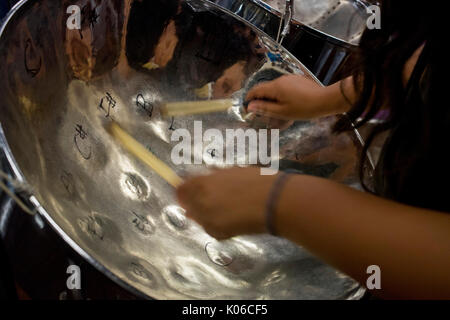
(341, 19)
(323, 34)
(60, 88)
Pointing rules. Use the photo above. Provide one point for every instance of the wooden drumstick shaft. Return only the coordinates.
(196, 107)
(145, 155)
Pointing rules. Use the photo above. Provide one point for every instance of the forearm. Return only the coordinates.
(339, 97)
(353, 230)
(342, 95)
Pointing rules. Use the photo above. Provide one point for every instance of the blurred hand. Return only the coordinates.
(228, 202)
(291, 97)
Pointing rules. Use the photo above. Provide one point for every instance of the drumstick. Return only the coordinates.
(144, 155)
(195, 107)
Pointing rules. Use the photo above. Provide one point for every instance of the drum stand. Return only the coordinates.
(285, 22)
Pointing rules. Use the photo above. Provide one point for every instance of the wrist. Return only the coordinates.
(334, 99)
(287, 211)
(273, 201)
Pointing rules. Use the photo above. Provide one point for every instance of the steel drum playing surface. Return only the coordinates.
(60, 88)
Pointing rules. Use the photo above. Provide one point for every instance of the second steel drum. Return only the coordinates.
(323, 34)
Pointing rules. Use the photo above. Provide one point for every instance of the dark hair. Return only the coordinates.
(408, 170)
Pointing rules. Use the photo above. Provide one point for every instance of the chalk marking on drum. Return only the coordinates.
(171, 128)
(142, 224)
(145, 105)
(81, 133)
(144, 155)
(111, 104)
(196, 107)
(68, 182)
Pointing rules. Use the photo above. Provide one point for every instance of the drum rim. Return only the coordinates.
(39, 209)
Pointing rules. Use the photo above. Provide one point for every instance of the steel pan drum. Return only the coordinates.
(341, 19)
(323, 35)
(61, 87)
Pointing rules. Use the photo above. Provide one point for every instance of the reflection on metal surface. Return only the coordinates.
(175, 217)
(135, 187)
(219, 254)
(117, 213)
